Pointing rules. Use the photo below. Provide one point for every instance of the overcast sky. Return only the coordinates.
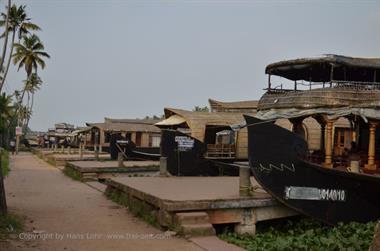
(129, 59)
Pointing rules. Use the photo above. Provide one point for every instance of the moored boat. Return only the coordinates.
(339, 182)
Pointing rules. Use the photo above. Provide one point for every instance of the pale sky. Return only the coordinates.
(129, 59)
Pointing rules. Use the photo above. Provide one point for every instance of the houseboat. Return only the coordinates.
(202, 143)
(339, 182)
(141, 135)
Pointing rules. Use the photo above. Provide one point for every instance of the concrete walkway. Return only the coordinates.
(73, 216)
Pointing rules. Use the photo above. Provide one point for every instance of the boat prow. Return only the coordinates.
(277, 160)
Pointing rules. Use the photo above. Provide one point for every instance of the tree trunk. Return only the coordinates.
(5, 39)
(9, 60)
(31, 109)
(3, 201)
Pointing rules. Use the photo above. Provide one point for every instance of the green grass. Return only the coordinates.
(5, 162)
(10, 224)
(137, 209)
(75, 175)
(306, 234)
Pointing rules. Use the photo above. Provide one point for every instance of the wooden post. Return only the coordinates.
(81, 150)
(323, 135)
(96, 152)
(329, 144)
(163, 166)
(244, 181)
(100, 148)
(120, 159)
(17, 143)
(371, 147)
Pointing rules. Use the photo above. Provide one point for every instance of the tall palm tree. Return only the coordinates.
(19, 23)
(31, 86)
(29, 54)
(6, 24)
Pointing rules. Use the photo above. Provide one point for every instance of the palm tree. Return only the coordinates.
(29, 54)
(6, 24)
(31, 86)
(6, 108)
(19, 23)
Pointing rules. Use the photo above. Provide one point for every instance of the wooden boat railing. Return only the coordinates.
(220, 151)
(355, 85)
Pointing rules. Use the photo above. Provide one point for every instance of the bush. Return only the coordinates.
(5, 162)
(307, 235)
(10, 224)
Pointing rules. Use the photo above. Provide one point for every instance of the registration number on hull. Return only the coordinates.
(313, 193)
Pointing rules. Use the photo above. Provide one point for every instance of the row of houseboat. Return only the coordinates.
(311, 141)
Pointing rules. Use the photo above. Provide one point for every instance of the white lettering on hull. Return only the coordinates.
(313, 193)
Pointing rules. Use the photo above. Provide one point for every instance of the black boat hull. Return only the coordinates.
(131, 151)
(185, 157)
(276, 158)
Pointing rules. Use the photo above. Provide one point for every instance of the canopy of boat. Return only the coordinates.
(318, 69)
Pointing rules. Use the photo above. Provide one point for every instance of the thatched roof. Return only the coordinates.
(206, 118)
(233, 106)
(125, 127)
(318, 69)
(131, 121)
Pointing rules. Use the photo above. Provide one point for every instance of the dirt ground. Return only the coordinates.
(62, 214)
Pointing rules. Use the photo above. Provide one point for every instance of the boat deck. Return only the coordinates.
(95, 170)
(165, 197)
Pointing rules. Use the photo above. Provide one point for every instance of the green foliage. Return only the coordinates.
(6, 111)
(30, 54)
(307, 235)
(10, 224)
(201, 109)
(5, 162)
(75, 175)
(136, 207)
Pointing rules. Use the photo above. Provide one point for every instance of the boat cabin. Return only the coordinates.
(211, 128)
(341, 94)
(141, 132)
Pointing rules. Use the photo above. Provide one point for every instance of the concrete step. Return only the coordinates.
(89, 177)
(192, 218)
(197, 229)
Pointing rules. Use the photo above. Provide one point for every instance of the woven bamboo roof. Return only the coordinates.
(206, 118)
(125, 127)
(237, 105)
(131, 121)
(318, 69)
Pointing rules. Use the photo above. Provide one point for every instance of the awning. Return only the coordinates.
(171, 121)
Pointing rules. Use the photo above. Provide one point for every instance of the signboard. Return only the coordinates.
(18, 131)
(184, 143)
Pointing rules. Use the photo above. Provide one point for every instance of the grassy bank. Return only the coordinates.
(306, 234)
(10, 224)
(5, 162)
(136, 207)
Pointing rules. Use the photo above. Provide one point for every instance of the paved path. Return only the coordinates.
(55, 204)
